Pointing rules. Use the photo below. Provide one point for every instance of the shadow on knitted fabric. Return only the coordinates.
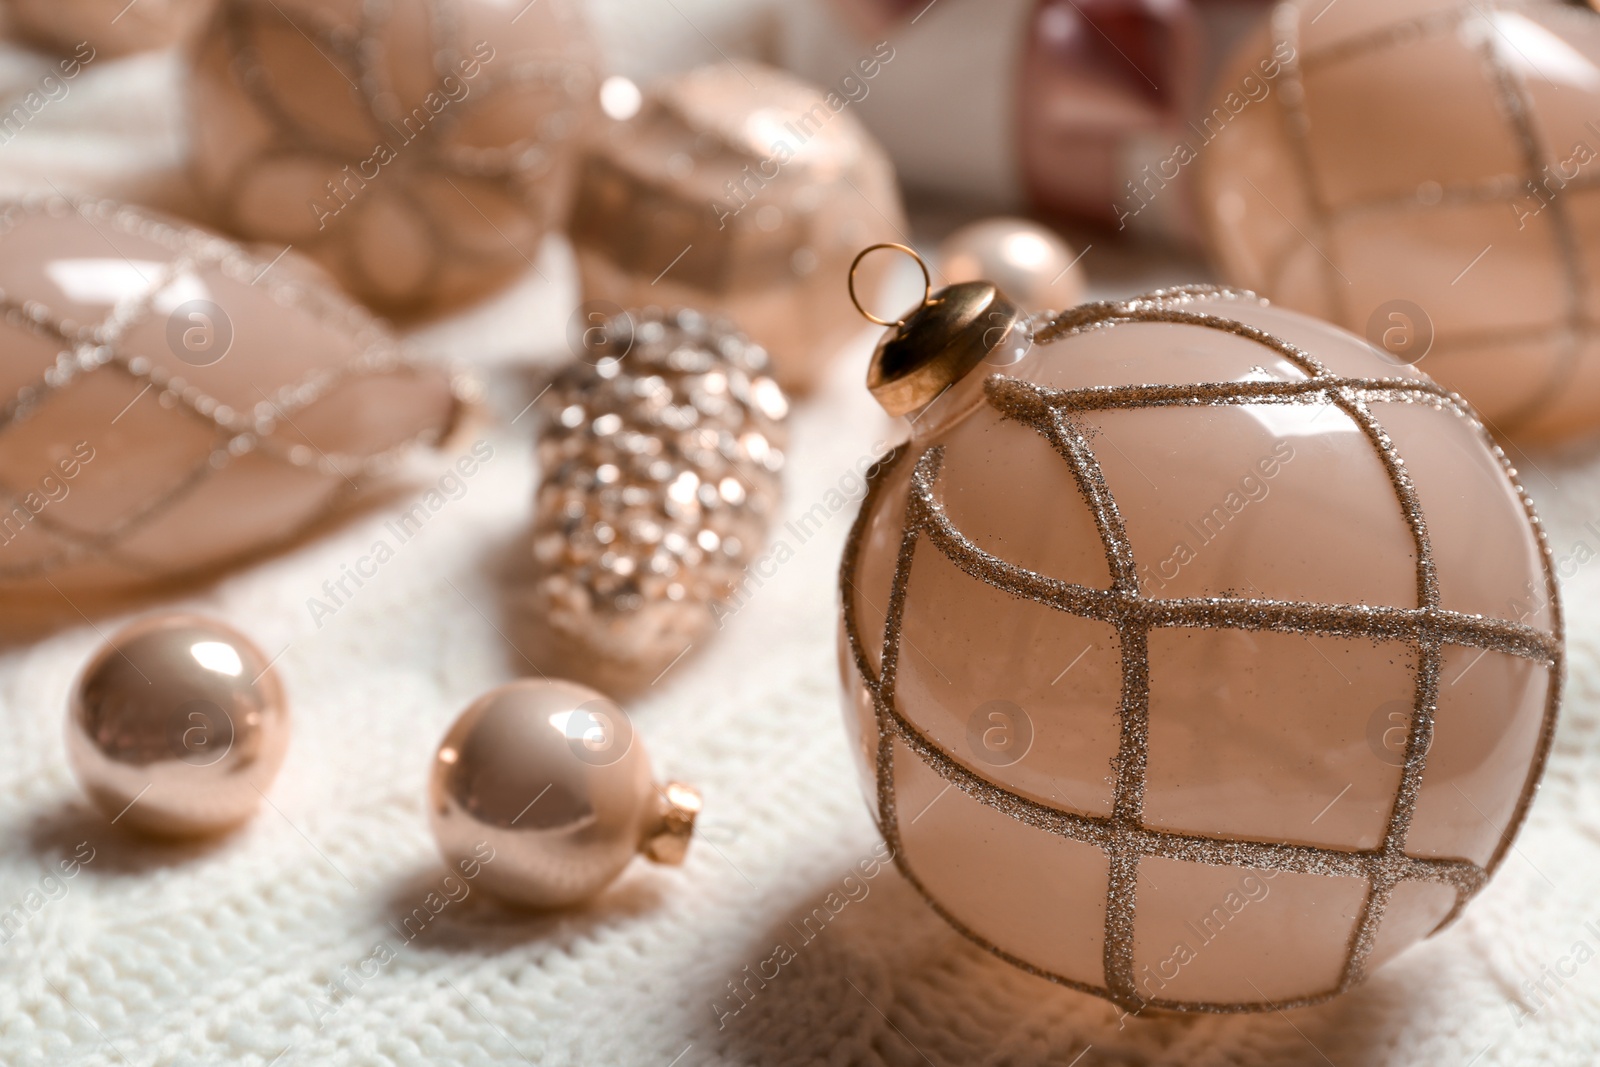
(70, 829)
(883, 980)
(436, 909)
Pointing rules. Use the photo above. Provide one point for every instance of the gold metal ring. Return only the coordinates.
(927, 281)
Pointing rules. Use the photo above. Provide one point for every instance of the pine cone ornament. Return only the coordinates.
(661, 454)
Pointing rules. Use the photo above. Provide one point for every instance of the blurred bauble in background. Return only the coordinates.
(420, 149)
(877, 17)
(1054, 105)
(172, 403)
(1201, 660)
(1425, 175)
(742, 191)
(1027, 261)
(109, 27)
(660, 450)
(1105, 86)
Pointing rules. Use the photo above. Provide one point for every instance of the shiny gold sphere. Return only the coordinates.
(1024, 260)
(177, 726)
(544, 786)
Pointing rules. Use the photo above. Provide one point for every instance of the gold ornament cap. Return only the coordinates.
(948, 334)
(666, 840)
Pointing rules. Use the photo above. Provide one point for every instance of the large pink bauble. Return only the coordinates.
(1200, 660)
(171, 403)
(1423, 174)
(107, 27)
(419, 149)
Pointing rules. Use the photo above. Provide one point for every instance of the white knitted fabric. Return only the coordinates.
(242, 952)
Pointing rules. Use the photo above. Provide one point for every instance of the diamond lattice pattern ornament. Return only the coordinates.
(170, 403)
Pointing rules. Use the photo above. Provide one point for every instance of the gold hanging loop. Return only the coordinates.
(927, 281)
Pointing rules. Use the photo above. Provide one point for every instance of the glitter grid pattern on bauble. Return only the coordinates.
(1017, 864)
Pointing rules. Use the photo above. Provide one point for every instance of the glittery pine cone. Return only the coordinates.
(661, 455)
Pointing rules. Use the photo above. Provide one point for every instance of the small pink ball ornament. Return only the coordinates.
(1239, 645)
(177, 726)
(548, 780)
(1020, 257)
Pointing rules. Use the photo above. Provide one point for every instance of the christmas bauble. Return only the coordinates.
(545, 786)
(1199, 659)
(1059, 106)
(1408, 171)
(171, 402)
(1026, 260)
(741, 191)
(105, 28)
(177, 726)
(661, 451)
(1105, 86)
(876, 17)
(419, 149)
